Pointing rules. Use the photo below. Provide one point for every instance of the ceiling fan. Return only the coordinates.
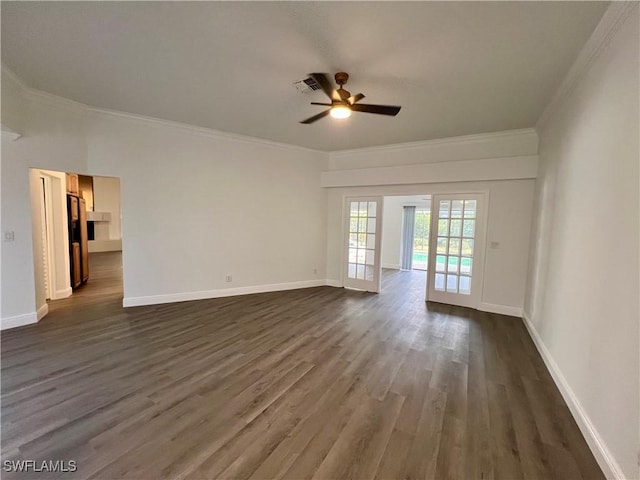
(342, 102)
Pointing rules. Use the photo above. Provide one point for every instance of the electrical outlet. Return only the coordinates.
(228, 278)
(9, 236)
(495, 244)
(315, 271)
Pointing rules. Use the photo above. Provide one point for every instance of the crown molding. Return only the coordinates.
(464, 139)
(203, 131)
(11, 76)
(68, 104)
(613, 18)
(54, 100)
(9, 132)
(476, 170)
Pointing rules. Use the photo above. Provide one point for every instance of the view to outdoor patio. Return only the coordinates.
(421, 239)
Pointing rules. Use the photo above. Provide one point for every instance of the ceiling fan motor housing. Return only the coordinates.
(341, 78)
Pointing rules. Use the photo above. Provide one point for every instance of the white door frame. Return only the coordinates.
(372, 285)
(477, 277)
(55, 219)
(47, 231)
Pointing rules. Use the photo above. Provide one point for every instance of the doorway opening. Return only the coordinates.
(77, 240)
(422, 225)
(416, 223)
(405, 232)
(437, 240)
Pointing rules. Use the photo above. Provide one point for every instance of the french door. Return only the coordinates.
(362, 243)
(456, 253)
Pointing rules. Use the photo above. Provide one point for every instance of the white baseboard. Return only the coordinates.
(501, 309)
(223, 292)
(333, 283)
(64, 293)
(392, 266)
(42, 311)
(18, 320)
(603, 456)
(97, 246)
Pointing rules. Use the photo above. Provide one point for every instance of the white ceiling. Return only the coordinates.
(456, 68)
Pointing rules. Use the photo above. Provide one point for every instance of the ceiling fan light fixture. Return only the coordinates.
(342, 102)
(340, 111)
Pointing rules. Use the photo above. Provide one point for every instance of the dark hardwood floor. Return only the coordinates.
(313, 383)
(104, 285)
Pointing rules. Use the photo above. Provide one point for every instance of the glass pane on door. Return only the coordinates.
(362, 240)
(455, 245)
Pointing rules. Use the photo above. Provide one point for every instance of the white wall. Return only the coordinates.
(12, 116)
(53, 137)
(513, 143)
(106, 196)
(198, 205)
(392, 227)
(582, 300)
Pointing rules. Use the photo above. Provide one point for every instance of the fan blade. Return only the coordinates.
(323, 104)
(355, 98)
(379, 109)
(316, 117)
(322, 80)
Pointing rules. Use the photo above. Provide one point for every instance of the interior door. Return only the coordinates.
(362, 243)
(456, 253)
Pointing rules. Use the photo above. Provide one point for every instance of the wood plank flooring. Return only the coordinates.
(314, 383)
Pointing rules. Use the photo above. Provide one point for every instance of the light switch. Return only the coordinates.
(9, 236)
